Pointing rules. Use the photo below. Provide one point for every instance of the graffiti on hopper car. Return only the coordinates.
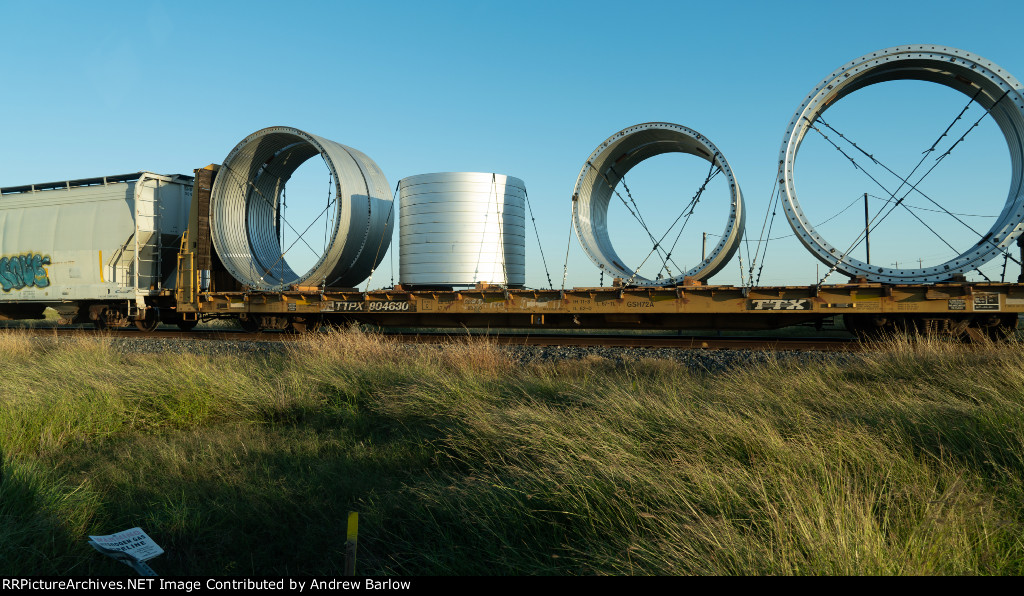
(21, 271)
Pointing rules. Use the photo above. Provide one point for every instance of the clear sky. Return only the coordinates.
(527, 89)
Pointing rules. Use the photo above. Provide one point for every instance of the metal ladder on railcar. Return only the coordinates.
(186, 286)
(147, 221)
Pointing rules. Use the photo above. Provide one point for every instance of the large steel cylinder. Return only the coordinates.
(607, 165)
(245, 200)
(995, 89)
(462, 228)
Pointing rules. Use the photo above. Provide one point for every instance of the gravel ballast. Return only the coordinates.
(709, 360)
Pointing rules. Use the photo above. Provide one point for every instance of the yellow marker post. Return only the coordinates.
(350, 543)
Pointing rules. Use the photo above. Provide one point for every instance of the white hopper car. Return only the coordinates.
(101, 250)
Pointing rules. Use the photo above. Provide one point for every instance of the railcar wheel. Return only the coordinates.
(1002, 328)
(149, 323)
(186, 325)
(305, 324)
(249, 323)
(102, 318)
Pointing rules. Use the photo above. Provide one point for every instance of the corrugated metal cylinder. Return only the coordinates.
(245, 201)
(462, 228)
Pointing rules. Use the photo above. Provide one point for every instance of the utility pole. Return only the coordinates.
(703, 246)
(867, 229)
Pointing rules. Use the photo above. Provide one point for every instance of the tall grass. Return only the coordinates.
(907, 459)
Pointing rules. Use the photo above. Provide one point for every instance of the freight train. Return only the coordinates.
(141, 249)
(137, 249)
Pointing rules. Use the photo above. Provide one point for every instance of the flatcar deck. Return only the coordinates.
(682, 307)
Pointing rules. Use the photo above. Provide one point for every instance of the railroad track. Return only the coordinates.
(656, 341)
(689, 342)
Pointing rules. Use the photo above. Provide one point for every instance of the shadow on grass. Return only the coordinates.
(254, 499)
(40, 522)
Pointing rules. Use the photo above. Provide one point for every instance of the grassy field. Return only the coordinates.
(906, 460)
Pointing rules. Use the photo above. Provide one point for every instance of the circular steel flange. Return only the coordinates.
(244, 211)
(957, 69)
(609, 163)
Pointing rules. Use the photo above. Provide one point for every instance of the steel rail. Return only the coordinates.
(687, 342)
(999, 93)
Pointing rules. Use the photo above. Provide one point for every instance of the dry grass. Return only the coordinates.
(906, 460)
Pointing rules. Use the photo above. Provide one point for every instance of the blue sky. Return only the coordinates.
(527, 89)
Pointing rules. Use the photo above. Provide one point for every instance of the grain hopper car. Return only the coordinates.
(100, 250)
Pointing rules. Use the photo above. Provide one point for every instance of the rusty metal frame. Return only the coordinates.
(691, 307)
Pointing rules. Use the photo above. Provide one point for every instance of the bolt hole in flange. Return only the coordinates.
(599, 185)
(944, 229)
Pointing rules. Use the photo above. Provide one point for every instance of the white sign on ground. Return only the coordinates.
(134, 542)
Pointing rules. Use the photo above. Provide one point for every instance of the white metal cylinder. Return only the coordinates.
(462, 228)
